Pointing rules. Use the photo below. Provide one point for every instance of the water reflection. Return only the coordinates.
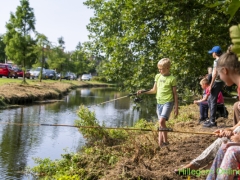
(19, 144)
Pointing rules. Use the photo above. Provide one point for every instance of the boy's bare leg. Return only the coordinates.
(162, 135)
(160, 138)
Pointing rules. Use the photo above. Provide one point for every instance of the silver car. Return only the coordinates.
(86, 77)
(34, 73)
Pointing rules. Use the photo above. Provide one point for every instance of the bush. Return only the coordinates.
(99, 78)
(90, 129)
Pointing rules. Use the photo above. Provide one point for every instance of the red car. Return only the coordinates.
(7, 70)
(19, 72)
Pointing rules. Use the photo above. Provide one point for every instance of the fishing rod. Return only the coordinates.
(129, 95)
(96, 127)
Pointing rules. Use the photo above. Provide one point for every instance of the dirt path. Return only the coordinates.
(160, 164)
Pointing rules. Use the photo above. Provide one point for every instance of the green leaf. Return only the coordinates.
(233, 8)
(235, 36)
(215, 4)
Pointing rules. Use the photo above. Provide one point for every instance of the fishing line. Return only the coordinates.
(129, 95)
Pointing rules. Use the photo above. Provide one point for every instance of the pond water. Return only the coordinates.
(20, 144)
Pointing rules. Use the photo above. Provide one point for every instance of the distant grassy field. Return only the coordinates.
(36, 81)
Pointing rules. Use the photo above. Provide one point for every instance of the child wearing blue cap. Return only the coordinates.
(214, 87)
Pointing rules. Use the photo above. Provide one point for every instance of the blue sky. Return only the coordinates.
(54, 18)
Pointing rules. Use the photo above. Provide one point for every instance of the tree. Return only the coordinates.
(42, 46)
(61, 42)
(57, 59)
(20, 46)
(79, 46)
(134, 35)
(2, 51)
(80, 61)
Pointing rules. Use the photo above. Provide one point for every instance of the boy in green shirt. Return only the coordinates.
(166, 95)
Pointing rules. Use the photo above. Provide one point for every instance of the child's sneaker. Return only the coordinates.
(210, 124)
(200, 121)
(164, 144)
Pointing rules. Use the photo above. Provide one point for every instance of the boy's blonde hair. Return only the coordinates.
(204, 81)
(165, 63)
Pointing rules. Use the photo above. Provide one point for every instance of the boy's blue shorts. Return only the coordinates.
(164, 110)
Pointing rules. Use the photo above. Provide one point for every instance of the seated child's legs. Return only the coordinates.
(229, 163)
(216, 163)
(203, 106)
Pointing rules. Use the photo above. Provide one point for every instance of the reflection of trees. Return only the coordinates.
(17, 141)
(95, 96)
(122, 103)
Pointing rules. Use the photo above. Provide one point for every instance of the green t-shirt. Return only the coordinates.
(165, 85)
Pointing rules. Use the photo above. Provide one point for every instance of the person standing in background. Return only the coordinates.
(215, 87)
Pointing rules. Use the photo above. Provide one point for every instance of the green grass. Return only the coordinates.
(36, 81)
(9, 80)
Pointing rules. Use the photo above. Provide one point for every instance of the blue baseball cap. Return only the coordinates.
(215, 49)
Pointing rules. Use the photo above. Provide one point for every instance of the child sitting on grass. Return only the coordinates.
(203, 104)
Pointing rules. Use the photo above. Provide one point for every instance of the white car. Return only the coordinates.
(86, 77)
(34, 73)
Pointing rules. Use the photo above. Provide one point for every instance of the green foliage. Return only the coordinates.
(186, 115)
(46, 165)
(88, 119)
(233, 8)
(57, 59)
(99, 78)
(135, 35)
(235, 35)
(2, 102)
(2, 52)
(42, 50)
(186, 96)
(81, 61)
(143, 124)
(118, 134)
(66, 168)
(61, 42)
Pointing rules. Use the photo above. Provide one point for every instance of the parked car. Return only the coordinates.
(86, 77)
(73, 76)
(34, 73)
(7, 70)
(19, 72)
(64, 75)
(51, 74)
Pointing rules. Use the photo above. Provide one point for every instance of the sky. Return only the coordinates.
(54, 18)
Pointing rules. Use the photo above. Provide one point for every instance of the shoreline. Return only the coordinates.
(13, 95)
